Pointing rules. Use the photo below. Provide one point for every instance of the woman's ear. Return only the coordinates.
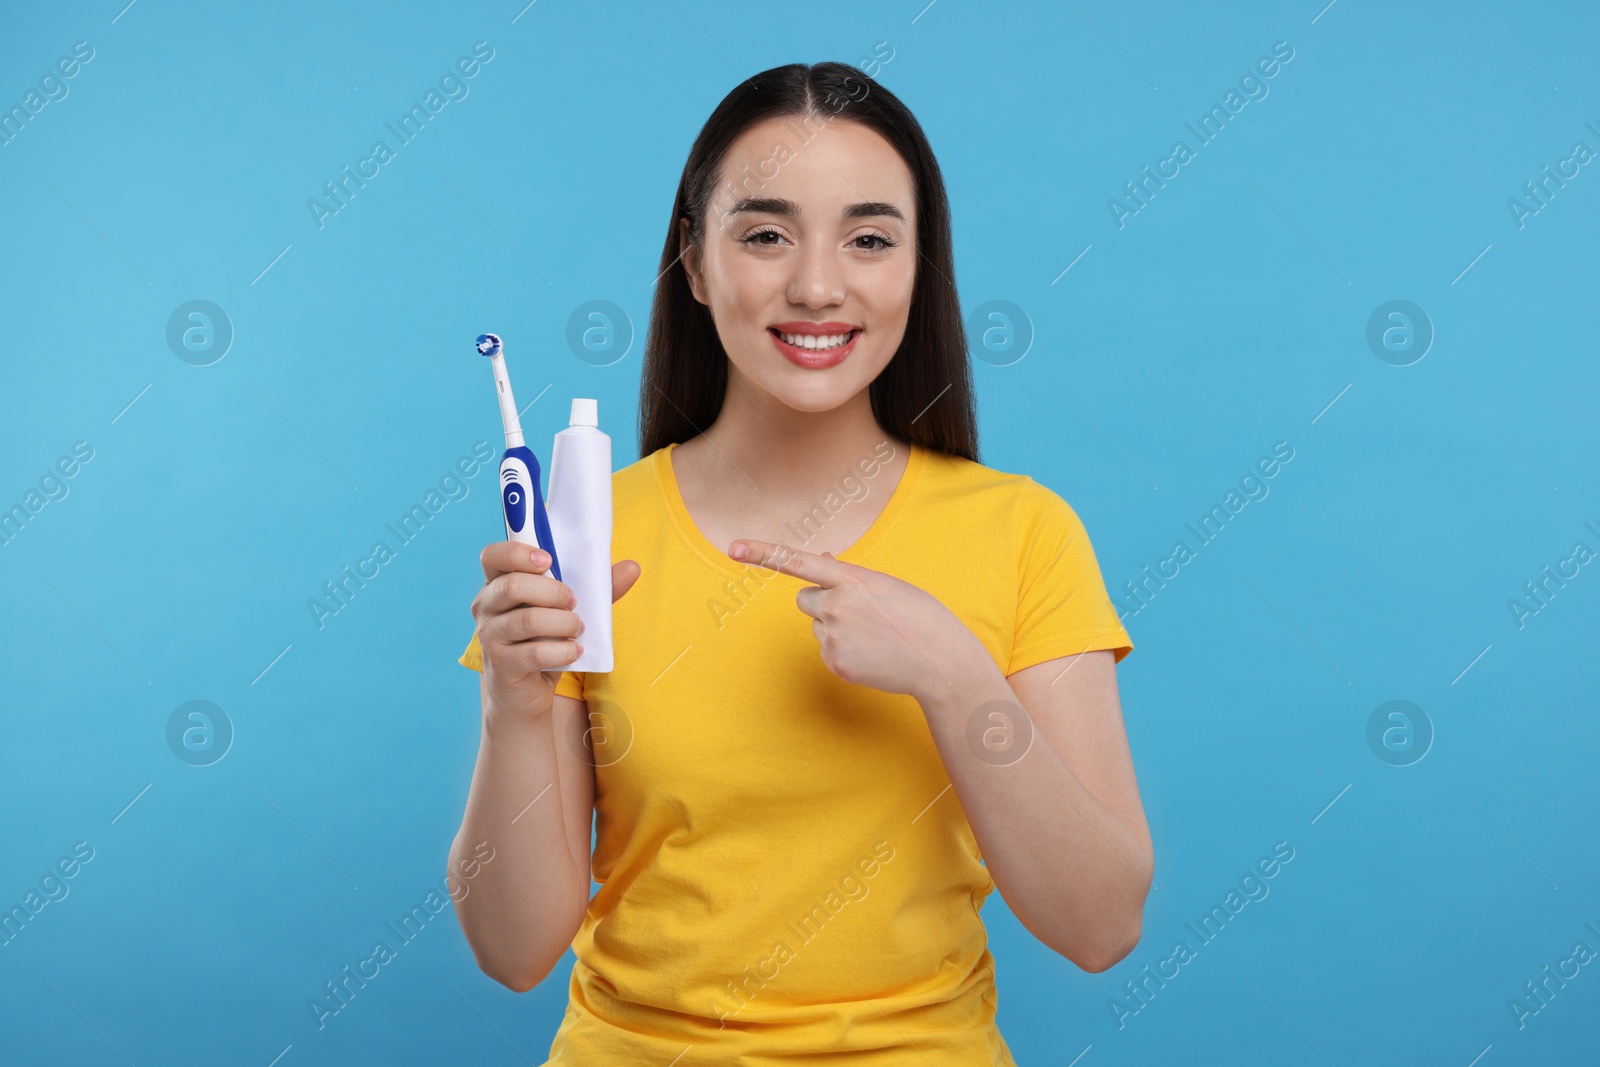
(690, 255)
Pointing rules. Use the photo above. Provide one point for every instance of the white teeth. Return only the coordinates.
(806, 340)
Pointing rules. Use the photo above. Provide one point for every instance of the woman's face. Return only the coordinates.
(810, 240)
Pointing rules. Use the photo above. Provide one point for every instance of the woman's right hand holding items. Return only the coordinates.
(527, 626)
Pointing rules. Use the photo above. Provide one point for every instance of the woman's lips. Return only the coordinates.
(814, 358)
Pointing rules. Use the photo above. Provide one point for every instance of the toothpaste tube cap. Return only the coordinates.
(585, 413)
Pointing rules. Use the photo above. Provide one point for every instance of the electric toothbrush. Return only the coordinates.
(526, 521)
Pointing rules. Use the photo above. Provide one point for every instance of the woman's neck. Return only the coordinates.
(763, 460)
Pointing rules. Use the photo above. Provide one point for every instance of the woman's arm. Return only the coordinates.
(532, 795)
(532, 798)
(1059, 821)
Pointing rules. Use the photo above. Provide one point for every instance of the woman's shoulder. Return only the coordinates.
(975, 484)
(634, 487)
(636, 474)
(1000, 503)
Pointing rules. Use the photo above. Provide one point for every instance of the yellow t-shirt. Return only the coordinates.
(783, 869)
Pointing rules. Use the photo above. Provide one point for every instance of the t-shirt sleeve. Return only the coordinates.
(570, 684)
(473, 656)
(1062, 606)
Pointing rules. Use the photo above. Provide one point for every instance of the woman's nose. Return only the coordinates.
(817, 279)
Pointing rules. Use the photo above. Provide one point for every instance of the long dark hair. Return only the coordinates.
(924, 394)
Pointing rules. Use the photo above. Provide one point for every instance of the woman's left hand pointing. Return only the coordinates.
(874, 629)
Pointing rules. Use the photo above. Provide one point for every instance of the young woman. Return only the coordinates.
(861, 680)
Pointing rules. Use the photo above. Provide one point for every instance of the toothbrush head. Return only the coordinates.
(488, 344)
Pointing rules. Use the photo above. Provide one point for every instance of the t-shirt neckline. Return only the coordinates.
(672, 497)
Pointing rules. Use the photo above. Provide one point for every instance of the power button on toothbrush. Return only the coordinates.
(516, 506)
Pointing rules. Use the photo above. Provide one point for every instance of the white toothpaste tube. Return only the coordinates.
(579, 509)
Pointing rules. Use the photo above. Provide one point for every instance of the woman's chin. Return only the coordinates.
(807, 389)
(819, 391)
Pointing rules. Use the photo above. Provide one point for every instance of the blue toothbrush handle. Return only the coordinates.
(523, 504)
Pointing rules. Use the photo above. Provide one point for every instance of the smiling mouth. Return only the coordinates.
(815, 351)
(814, 342)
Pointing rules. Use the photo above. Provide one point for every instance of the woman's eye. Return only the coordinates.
(883, 242)
(755, 237)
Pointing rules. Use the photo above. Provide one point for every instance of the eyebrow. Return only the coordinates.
(768, 205)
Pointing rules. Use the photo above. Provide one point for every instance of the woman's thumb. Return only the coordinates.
(623, 575)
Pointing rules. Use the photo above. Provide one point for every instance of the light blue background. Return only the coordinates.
(1222, 318)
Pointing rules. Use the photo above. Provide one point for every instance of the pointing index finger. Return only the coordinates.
(807, 566)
